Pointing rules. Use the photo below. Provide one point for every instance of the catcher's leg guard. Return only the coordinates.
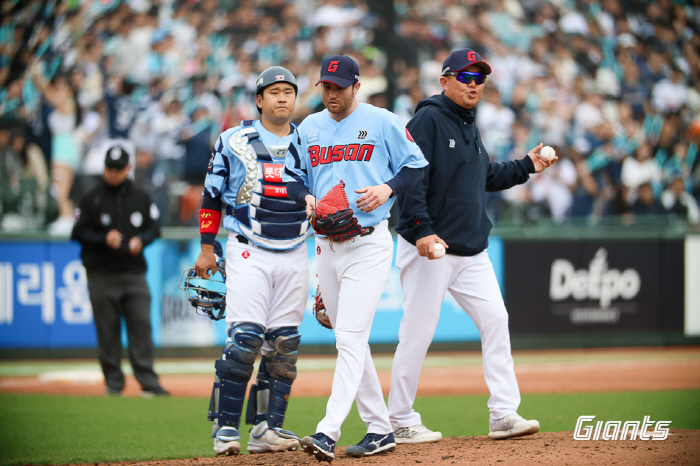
(280, 365)
(259, 397)
(233, 372)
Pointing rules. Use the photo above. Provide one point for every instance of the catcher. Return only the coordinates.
(267, 277)
(372, 152)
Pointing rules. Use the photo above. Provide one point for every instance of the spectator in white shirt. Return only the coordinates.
(639, 169)
(669, 95)
(678, 201)
(495, 121)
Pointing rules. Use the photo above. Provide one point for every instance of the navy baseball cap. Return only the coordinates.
(460, 60)
(117, 158)
(339, 69)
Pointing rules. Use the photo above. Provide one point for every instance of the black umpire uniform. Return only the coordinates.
(116, 220)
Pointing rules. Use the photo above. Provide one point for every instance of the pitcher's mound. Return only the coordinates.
(681, 448)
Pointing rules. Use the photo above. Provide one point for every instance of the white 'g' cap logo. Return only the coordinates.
(115, 153)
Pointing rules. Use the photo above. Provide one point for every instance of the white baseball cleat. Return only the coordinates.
(226, 441)
(264, 440)
(416, 434)
(513, 425)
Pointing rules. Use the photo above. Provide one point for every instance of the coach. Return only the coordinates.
(448, 208)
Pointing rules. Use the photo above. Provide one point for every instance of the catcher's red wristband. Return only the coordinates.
(209, 221)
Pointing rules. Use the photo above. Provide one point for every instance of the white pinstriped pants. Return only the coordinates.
(472, 282)
(352, 276)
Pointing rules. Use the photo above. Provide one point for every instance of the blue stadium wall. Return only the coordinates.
(569, 289)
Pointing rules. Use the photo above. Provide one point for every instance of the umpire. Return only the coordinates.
(116, 220)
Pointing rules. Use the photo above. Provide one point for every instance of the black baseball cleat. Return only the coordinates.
(152, 392)
(372, 444)
(113, 392)
(319, 446)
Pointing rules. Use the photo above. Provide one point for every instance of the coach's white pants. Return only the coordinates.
(268, 288)
(472, 282)
(352, 276)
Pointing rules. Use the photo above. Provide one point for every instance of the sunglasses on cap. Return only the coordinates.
(466, 77)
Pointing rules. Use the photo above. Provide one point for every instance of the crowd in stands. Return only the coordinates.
(612, 85)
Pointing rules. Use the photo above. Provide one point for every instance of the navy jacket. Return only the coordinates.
(450, 200)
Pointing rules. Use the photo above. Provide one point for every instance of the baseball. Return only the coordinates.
(438, 250)
(547, 153)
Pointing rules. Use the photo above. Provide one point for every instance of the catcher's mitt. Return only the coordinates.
(334, 217)
(319, 310)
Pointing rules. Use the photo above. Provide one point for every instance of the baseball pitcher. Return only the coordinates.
(346, 165)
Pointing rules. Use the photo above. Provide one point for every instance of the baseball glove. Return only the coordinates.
(334, 217)
(319, 310)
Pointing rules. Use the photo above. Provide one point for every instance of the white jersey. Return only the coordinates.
(367, 148)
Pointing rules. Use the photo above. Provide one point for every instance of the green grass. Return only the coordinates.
(38, 429)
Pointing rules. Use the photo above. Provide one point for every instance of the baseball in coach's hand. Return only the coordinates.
(547, 153)
(438, 250)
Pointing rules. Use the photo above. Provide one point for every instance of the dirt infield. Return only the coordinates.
(554, 371)
(550, 449)
(551, 371)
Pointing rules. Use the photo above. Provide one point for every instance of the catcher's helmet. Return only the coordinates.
(275, 74)
(207, 295)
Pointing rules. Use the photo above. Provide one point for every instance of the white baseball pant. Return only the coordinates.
(266, 287)
(472, 282)
(351, 275)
